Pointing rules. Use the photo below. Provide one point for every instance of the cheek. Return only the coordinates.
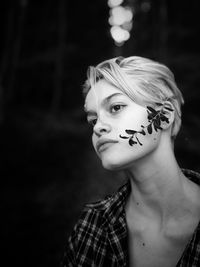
(144, 145)
(134, 122)
(124, 156)
(94, 141)
(137, 130)
(150, 141)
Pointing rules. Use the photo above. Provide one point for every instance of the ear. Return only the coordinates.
(169, 112)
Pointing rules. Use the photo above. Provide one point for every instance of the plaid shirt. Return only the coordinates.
(100, 238)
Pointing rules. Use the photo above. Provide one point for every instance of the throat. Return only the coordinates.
(150, 246)
(156, 240)
(160, 197)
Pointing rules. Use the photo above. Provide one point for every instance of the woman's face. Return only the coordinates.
(111, 112)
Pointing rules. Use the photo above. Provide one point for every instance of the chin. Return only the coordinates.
(121, 162)
(115, 164)
(111, 167)
(126, 157)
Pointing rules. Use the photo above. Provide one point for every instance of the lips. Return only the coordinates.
(104, 143)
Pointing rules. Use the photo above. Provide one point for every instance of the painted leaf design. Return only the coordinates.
(156, 124)
(150, 117)
(155, 118)
(153, 111)
(155, 127)
(159, 104)
(149, 129)
(157, 121)
(132, 142)
(138, 141)
(123, 137)
(130, 131)
(170, 109)
(164, 118)
(142, 132)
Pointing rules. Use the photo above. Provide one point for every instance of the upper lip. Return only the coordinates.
(103, 141)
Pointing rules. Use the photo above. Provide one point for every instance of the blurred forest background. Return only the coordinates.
(48, 167)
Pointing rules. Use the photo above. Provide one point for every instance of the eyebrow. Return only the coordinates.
(106, 100)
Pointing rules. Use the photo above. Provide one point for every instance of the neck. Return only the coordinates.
(157, 185)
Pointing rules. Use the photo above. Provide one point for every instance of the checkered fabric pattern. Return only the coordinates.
(100, 237)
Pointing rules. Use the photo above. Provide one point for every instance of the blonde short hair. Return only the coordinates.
(145, 81)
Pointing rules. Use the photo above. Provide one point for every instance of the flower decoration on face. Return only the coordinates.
(155, 118)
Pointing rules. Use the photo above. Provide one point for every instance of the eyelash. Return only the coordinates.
(116, 105)
(93, 121)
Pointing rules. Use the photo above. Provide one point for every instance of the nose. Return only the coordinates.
(101, 127)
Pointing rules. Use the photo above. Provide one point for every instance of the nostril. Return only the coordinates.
(101, 127)
(103, 130)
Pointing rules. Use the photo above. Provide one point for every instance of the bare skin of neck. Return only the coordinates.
(159, 185)
(163, 201)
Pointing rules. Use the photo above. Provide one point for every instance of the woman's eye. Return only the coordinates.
(92, 121)
(116, 108)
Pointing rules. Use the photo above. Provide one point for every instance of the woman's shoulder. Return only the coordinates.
(117, 198)
(94, 225)
(192, 175)
(107, 209)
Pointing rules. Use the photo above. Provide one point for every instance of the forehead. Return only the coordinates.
(100, 91)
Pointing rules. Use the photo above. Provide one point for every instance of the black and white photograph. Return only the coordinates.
(100, 133)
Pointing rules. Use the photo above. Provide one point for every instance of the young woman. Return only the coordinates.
(134, 106)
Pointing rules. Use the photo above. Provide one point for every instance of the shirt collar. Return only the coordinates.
(116, 204)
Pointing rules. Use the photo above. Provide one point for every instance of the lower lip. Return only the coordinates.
(105, 146)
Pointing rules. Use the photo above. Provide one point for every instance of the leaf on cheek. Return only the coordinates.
(123, 137)
(130, 131)
(149, 129)
(169, 109)
(152, 110)
(138, 141)
(132, 142)
(142, 132)
(155, 117)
